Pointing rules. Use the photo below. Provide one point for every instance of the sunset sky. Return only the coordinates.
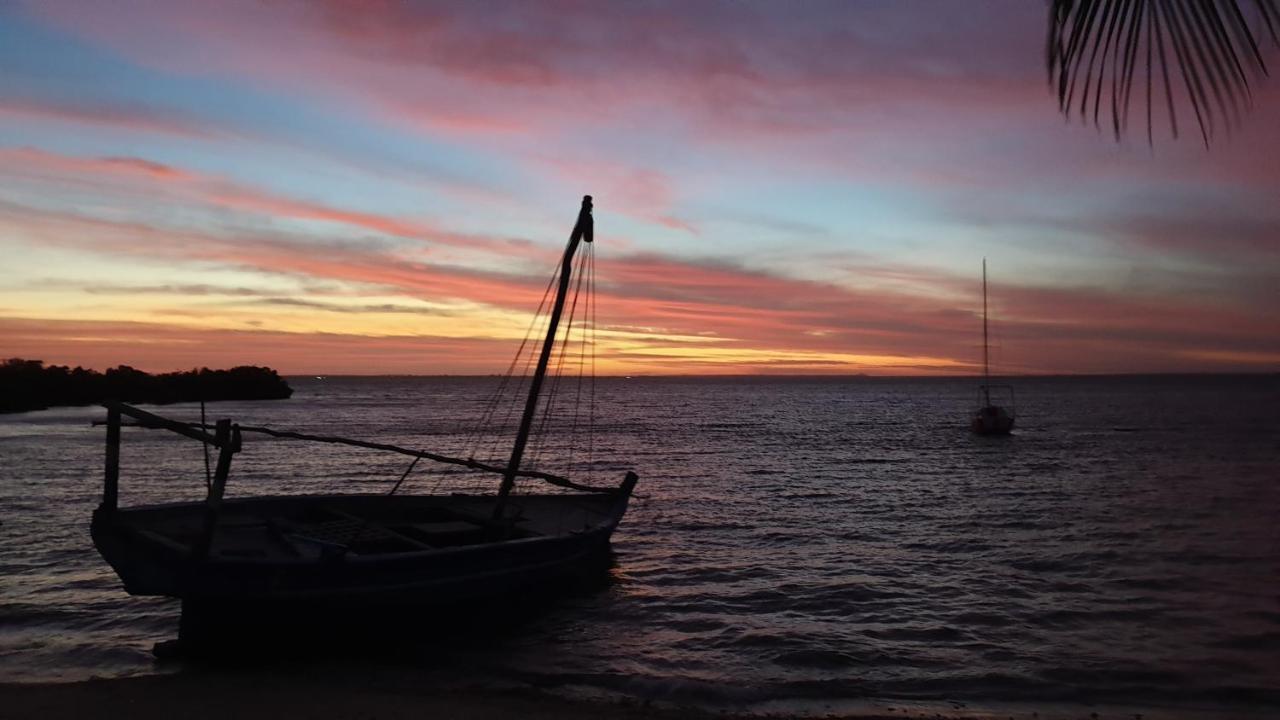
(385, 187)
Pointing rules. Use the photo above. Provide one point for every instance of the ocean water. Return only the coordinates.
(798, 543)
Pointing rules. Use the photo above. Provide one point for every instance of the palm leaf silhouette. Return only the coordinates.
(1197, 52)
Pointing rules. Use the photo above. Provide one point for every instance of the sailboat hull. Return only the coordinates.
(356, 551)
(991, 420)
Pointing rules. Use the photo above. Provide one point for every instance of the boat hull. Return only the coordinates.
(261, 554)
(991, 420)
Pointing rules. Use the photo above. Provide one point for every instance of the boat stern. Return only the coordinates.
(145, 567)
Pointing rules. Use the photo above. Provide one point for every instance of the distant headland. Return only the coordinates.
(30, 385)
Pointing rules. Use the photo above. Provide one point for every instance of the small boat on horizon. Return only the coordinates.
(257, 559)
(990, 418)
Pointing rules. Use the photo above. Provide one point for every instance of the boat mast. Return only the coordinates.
(986, 366)
(582, 230)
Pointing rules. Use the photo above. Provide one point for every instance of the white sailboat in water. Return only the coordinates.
(990, 418)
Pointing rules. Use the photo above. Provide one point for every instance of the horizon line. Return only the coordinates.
(861, 376)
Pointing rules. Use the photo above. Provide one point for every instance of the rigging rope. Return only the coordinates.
(591, 426)
(208, 478)
(488, 437)
(491, 405)
(584, 273)
(553, 392)
(399, 482)
(516, 401)
(471, 440)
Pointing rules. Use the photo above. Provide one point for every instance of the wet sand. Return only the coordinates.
(267, 696)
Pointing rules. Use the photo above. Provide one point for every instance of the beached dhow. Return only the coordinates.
(291, 552)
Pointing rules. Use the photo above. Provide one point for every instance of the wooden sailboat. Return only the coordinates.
(252, 555)
(990, 418)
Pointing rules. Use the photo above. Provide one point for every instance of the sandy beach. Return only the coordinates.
(217, 697)
(360, 696)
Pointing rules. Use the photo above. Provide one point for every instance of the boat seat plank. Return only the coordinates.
(347, 531)
(164, 540)
(444, 527)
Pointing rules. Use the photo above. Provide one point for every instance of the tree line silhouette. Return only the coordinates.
(30, 385)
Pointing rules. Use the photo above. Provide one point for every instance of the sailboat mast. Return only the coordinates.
(582, 230)
(986, 365)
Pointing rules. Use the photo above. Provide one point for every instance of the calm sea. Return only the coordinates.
(799, 542)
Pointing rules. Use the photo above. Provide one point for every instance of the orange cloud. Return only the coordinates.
(159, 347)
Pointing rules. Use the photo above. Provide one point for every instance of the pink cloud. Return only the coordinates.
(634, 191)
(843, 91)
(123, 117)
(580, 63)
(561, 94)
(1050, 329)
(149, 176)
(1046, 329)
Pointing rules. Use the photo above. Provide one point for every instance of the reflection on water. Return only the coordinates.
(806, 539)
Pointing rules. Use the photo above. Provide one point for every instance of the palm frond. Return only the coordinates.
(1202, 53)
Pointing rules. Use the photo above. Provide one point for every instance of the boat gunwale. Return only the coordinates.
(119, 521)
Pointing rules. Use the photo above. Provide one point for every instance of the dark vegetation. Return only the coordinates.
(1183, 52)
(29, 385)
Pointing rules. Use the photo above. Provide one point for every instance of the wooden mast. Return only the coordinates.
(582, 230)
(986, 366)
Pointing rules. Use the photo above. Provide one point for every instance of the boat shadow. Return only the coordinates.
(213, 636)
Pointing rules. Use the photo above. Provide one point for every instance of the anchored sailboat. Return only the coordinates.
(254, 554)
(990, 418)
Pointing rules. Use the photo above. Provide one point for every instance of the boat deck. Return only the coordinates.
(311, 527)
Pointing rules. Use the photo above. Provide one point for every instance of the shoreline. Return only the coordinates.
(373, 692)
(31, 386)
(361, 694)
